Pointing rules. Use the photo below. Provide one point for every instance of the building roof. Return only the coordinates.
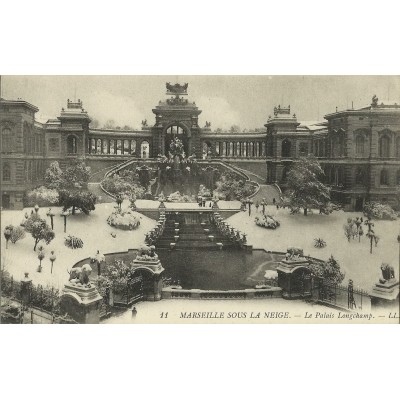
(19, 102)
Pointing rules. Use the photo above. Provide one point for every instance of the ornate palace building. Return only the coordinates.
(359, 149)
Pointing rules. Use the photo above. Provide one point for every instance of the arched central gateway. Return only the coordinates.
(179, 131)
(176, 117)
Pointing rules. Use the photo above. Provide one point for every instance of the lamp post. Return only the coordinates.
(249, 202)
(51, 215)
(99, 258)
(263, 204)
(65, 214)
(52, 259)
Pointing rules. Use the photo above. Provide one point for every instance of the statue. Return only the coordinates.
(208, 124)
(177, 88)
(387, 273)
(144, 122)
(80, 275)
(374, 101)
(147, 253)
(294, 253)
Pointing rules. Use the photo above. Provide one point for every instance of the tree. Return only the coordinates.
(329, 271)
(94, 123)
(76, 175)
(305, 188)
(234, 129)
(39, 229)
(85, 201)
(54, 176)
(233, 188)
(110, 124)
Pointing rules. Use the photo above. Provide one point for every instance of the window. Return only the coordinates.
(6, 144)
(6, 172)
(286, 148)
(126, 146)
(133, 147)
(71, 145)
(237, 152)
(119, 147)
(217, 144)
(360, 146)
(112, 146)
(54, 145)
(360, 176)
(145, 149)
(303, 149)
(384, 177)
(384, 147)
(105, 146)
(231, 149)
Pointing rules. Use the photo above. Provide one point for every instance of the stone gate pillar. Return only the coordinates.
(148, 260)
(80, 298)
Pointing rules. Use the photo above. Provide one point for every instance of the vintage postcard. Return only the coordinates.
(200, 199)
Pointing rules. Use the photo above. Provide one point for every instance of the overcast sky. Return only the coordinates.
(246, 101)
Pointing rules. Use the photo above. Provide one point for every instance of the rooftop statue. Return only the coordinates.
(374, 101)
(177, 88)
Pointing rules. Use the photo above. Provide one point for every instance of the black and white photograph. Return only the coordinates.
(200, 199)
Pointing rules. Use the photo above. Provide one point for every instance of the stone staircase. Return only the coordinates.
(191, 236)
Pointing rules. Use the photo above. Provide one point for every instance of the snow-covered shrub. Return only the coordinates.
(267, 221)
(125, 220)
(319, 243)
(17, 233)
(177, 197)
(41, 196)
(73, 242)
(379, 211)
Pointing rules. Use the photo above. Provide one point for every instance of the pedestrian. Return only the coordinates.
(274, 201)
(134, 312)
(257, 205)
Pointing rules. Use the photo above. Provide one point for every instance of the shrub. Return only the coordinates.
(230, 187)
(125, 220)
(83, 200)
(319, 243)
(123, 184)
(177, 197)
(329, 271)
(73, 242)
(41, 196)
(17, 233)
(267, 221)
(379, 211)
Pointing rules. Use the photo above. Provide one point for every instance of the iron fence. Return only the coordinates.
(342, 296)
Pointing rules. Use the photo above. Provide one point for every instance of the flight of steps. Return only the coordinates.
(191, 236)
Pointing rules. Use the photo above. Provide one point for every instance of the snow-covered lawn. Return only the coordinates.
(295, 230)
(300, 231)
(92, 229)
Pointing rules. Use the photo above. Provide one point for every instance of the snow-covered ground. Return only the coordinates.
(295, 230)
(92, 229)
(300, 231)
